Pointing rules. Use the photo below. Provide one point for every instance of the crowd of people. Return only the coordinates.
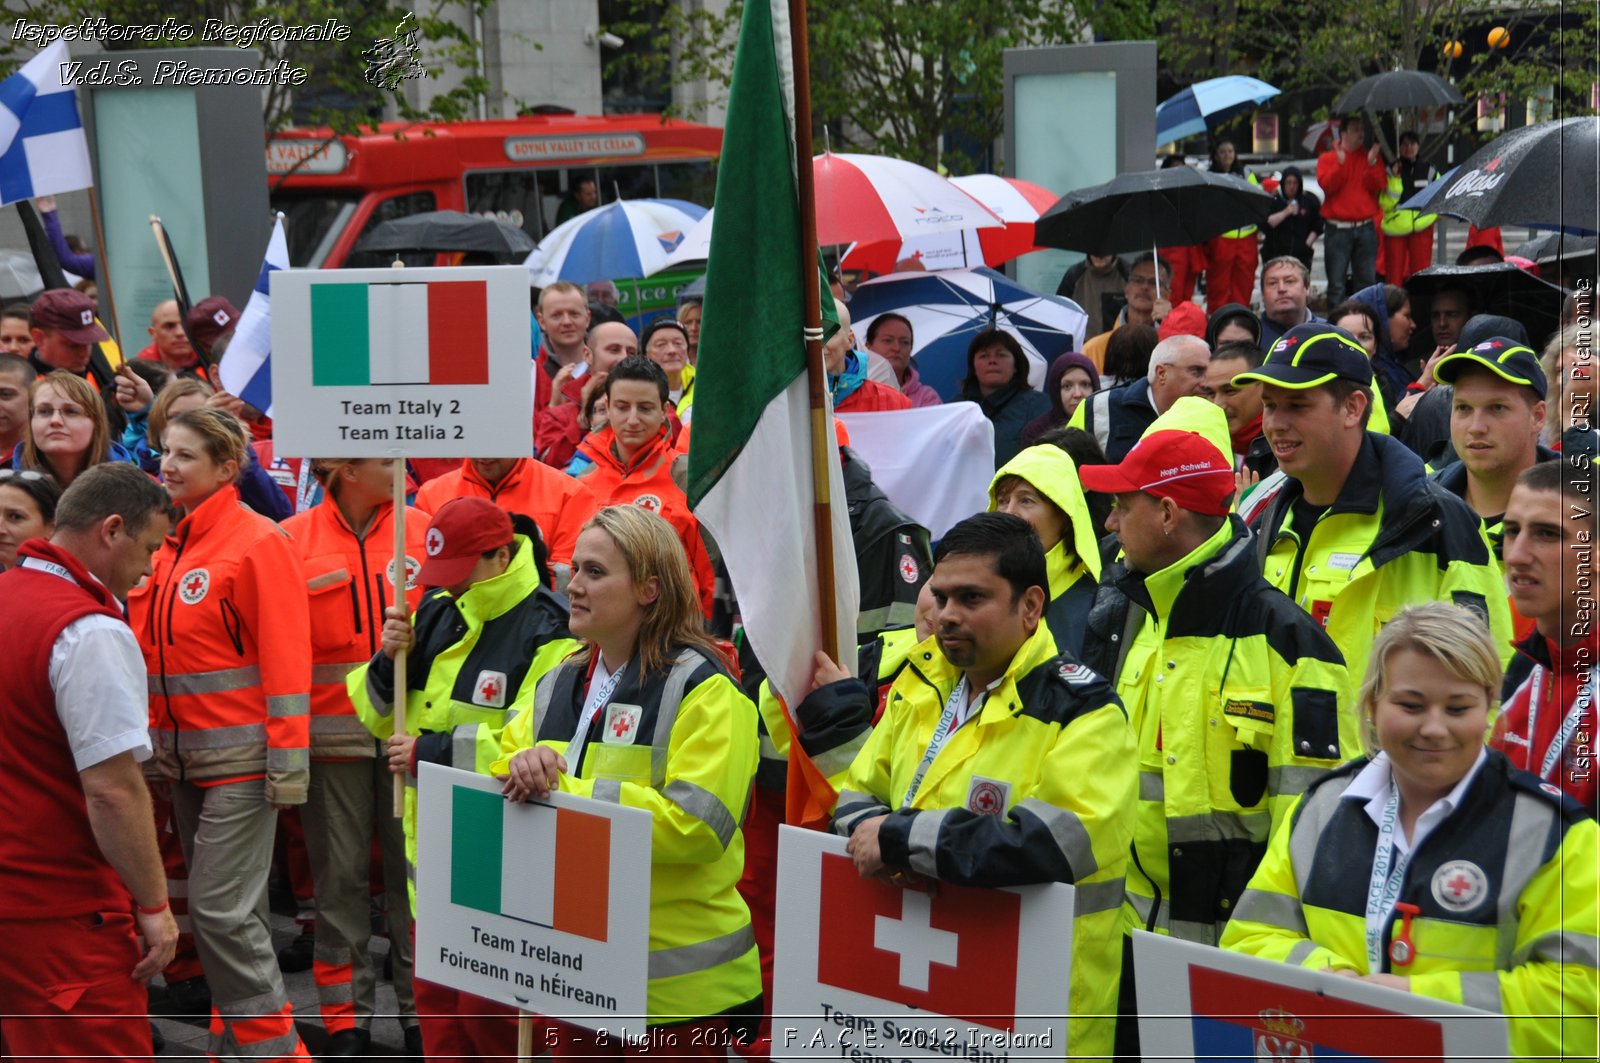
(1252, 648)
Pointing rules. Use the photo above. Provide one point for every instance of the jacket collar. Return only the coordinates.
(938, 671)
(497, 595)
(602, 448)
(1158, 593)
(44, 550)
(206, 516)
(469, 472)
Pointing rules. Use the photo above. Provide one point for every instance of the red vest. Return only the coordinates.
(50, 863)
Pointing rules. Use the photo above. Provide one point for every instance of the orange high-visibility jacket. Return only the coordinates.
(556, 502)
(646, 481)
(225, 629)
(349, 580)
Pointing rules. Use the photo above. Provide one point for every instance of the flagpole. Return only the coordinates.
(398, 585)
(103, 269)
(816, 373)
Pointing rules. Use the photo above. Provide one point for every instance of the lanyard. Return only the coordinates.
(1388, 874)
(307, 492)
(599, 697)
(1558, 744)
(950, 721)
(51, 567)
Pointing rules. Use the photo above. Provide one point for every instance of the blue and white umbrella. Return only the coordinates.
(1205, 102)
(946, 309)
(628, 238)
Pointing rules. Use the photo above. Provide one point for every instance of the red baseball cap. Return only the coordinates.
(210, 319)
(1183, 466)
(461, 532)
(70, 313)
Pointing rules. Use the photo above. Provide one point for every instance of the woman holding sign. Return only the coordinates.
(224, 626)
(647, 716)
(1481, 887)
(483, 635)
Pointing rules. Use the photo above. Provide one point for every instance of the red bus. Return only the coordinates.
(333, 189)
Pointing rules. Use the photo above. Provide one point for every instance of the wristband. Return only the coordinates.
(156, 910)
(1417, 386)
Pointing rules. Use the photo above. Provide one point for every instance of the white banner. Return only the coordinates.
(414, 363)
(543, 906)
(867, 969)
(1200, 1002)
(934, 462)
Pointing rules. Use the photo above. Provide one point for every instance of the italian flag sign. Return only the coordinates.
(750, 468)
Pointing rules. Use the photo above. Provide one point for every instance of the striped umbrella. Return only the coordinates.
(864, 198)
(1016, 202)
(628, 238)
(1203, 104)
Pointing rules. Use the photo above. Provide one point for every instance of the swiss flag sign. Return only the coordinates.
(863, 968)
(952, 954)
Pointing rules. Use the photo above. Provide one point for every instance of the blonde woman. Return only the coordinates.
(1570, 364)
(1481, 883)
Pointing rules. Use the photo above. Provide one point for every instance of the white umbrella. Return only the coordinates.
(696, 245)
(873, 197)
(627, 238)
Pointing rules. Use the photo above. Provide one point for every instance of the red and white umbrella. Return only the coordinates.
(871, 198)
(1015, 202)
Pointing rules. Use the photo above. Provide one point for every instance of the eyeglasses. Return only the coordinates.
(68, 413)
(28, 475)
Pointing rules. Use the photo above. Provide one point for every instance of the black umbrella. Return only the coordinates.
(1396, 89)
(447, 230)
(1556, 247)
(1496, 288)
(1152, 208)
(1542, 176)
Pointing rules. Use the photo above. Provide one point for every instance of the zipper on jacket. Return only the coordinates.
(233, 626)
(161, 658)
(355, 606)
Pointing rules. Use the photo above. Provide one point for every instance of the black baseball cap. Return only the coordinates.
(1311, 355)
(1502, 356)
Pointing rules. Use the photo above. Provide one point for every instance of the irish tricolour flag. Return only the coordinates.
(542, 865)
(399, 333)
(750, 474)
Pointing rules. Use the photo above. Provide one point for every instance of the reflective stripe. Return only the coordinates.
(265, 1004)
(1091, 898)
(769, 749)
(272, 1048)
(241, 735)
(1563, 946)
(922, 843)
(206, 682)
(1481, 990)
(542, 692)
(831, 762)
(1142, 906)
(1315, 813)
(1152, 786)
(1273, 909)
(893, 615)
(607, 790)
(854, 806)
(1531, 819)
(464, 747)
(332, 726)
(379, 703)
(333, 957)
(672, 694)
(1292, 779)
(1189, 930)
(337, 993)
(1219, 826)
(1071, 836)
(281, 706)
(705, 806)
(702, 956)
(288, 759)
(333, 673)
(1301, 952)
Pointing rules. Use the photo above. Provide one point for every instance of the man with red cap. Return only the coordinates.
(477, 646)
(1234, 693)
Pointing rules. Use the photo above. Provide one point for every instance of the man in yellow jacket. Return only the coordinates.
(1029, 775)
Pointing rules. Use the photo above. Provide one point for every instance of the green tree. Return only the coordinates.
(908, 78)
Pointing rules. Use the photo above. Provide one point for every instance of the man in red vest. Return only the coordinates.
(80, 875)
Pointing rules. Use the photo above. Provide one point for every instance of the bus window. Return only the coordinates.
(312, 223)
(513, 196)
(692, 181)
(627, 182)
(389, 209)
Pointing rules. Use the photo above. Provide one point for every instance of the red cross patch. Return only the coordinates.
(988, 797)
(908, 568)
(1460, 885)
(622, 723)
(490, 689)
(193, 586)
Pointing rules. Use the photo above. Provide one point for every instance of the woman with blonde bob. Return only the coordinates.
(1482, 882)
(646, 715)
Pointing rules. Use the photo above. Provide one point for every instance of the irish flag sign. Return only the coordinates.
(401, 362)
(543, 906)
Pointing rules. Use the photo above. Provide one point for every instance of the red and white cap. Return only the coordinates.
(1183, 466)
(461, 532)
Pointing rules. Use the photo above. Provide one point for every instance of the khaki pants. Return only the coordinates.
(346, 799)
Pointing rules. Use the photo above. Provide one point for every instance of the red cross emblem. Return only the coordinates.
(620, 727)
(490, 690)
(194, 584)
(192, 588)
(1459, 886)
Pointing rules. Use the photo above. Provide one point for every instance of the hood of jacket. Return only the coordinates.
(1050, 470)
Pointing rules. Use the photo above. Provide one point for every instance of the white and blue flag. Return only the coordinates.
(42, 147)
(247, 363)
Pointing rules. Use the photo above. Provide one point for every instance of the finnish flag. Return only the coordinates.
(247, 365)
(42, 147)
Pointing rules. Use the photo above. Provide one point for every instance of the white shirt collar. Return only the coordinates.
(1372, 786)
